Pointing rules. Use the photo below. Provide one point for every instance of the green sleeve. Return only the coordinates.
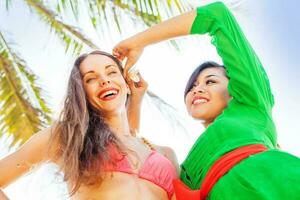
(248, 82)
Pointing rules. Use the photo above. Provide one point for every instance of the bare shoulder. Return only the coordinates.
(166, 151)
(169, 153)
(45, 142)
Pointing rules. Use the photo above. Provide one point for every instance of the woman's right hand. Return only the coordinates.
(129, 49)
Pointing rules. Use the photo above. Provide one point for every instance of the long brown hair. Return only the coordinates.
(82, 134)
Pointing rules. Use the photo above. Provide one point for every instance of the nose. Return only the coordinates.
(199, 89)
(104, 82)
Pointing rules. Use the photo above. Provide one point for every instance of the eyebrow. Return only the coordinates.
(108, 66)
(89, 72)
(211, 75)
(92, 71)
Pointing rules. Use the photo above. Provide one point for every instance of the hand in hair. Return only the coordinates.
(131, 50)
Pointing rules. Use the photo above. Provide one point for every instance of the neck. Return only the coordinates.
(118, 123)
(207, 123)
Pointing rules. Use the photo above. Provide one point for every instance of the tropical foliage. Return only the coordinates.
(24, 109)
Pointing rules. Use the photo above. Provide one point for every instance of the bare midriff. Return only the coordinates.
(118, 185)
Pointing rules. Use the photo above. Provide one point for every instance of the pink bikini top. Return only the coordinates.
(156, 168)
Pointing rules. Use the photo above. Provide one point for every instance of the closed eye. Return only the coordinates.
(112, 72)
(90, 79)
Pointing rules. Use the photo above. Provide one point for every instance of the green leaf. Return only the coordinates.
(23, 109)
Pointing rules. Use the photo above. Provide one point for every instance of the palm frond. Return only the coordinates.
(168, 111)
(23, 109)
(7, 4)
(148, 11)
(70, 35)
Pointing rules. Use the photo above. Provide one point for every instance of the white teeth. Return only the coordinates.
(108, 92)
(198, 101)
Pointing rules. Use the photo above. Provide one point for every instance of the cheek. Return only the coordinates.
(89, 90)
(188, 102)
(124, 85)
(223, 96)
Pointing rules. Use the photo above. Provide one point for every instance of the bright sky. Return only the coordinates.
(271, 26)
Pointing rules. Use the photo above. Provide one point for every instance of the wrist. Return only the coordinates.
(140, 40)
(135, 99)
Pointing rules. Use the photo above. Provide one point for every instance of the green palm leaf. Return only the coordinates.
(23, 110)
(148, 11)
(168, 111)
(70, 35)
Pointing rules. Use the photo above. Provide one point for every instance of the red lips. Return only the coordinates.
(111, 93)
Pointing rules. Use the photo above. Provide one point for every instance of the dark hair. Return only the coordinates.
(83, 136)
(197, 71)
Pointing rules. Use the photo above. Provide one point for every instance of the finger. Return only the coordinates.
(138, 84)
(142, 81)
(129, 82)
(129, 63)
(115, 52)
(118, 54)
(119, 57)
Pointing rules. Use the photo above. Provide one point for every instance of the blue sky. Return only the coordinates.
(275, 25)
(272, 27)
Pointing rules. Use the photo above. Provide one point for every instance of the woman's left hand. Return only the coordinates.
(137, 90)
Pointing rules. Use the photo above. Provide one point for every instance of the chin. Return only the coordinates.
(203, 116)
(113, 109)
(198, 116)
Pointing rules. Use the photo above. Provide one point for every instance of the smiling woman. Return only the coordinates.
(201, 89)
(92, 143)
(236, 157)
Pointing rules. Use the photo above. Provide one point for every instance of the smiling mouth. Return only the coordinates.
(108, 95)
(199, 101)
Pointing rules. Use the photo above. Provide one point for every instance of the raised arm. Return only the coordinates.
(35, 151)
(132, 47)
(248, 81)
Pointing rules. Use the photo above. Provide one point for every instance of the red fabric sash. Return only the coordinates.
(217, 170)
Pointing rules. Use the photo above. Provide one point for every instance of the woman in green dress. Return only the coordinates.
(236, 157)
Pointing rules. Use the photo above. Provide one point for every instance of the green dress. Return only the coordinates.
(273, 174)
